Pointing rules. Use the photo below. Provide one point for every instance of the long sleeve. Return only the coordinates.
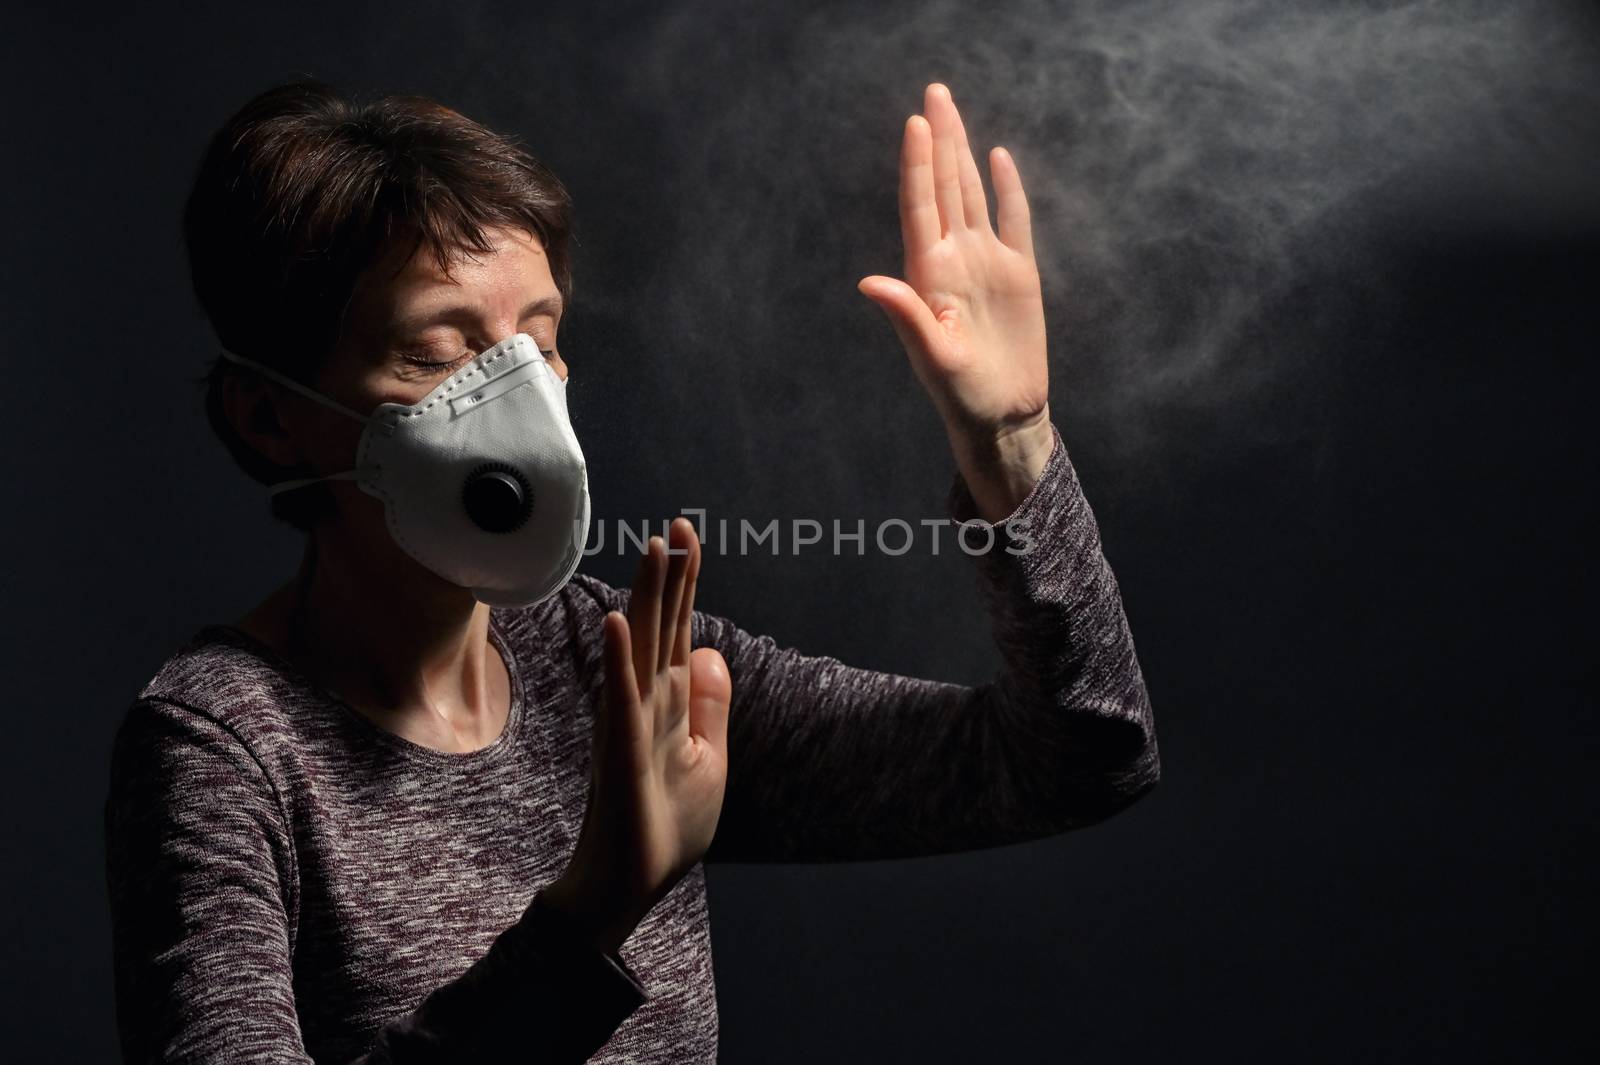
(200, 867)
(828, 762)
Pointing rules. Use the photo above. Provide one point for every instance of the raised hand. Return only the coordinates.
(660, 752)
(970, 311)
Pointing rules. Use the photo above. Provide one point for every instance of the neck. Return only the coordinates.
(412, 655)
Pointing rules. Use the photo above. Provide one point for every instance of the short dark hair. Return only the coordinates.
(306, 187)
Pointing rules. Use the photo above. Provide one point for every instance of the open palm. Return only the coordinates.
(970, 311)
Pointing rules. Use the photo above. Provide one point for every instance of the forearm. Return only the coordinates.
(1056, 612)
(832, 762)
(544, 992)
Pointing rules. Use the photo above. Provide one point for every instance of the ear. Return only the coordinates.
(255, 411)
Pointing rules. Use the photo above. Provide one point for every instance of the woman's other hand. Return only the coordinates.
(660, 752)
(970, 312)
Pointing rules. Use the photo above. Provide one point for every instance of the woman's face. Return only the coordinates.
(404, 334)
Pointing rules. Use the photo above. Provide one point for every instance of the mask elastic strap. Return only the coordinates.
(293, 385)
(289, 486)
(312, 394)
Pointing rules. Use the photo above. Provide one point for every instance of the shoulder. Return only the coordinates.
(195, 786)
(221, 683)
(220, 722)
(192, 756)
(176, 770)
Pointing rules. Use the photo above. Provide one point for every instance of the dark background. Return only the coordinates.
(1320, 286)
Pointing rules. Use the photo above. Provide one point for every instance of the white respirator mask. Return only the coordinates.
(482, 480)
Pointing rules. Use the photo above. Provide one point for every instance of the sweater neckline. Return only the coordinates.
(412, 750)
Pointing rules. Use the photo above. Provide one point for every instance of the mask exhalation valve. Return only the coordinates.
(497, 498)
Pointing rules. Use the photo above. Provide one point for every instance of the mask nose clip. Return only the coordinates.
(497, 498)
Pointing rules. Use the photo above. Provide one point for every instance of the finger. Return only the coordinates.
(974, 202)
(1011, 203)
(622, 730)
(682, 645)
(946, 174)
(680, 533)
(644, 610)
(919, 215)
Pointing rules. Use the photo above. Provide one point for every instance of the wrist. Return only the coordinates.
(589, 967)
(1000, 467)
(587, 916)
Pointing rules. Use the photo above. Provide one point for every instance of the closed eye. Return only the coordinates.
(431, 365)
(434, 366)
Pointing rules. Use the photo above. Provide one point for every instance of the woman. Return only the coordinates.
(436, 800)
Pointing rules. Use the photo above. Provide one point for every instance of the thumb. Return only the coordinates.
(710, 692)
(913, 322)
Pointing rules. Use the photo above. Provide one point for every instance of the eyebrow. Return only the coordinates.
(542, 305)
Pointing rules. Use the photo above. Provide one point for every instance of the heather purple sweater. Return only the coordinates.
(290, 882)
